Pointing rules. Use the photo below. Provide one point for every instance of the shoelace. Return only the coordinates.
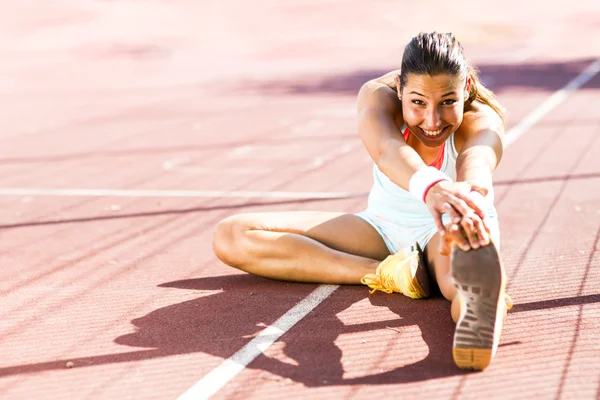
(379, 282)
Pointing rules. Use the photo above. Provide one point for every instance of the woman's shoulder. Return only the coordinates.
(379, 93)
(383, 85)
(477, 118)
(388, 79)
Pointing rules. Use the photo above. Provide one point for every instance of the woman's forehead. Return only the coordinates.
(433, 84)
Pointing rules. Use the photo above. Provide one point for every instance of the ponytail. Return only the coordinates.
(481, 93)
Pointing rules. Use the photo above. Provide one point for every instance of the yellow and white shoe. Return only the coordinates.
(403, 272)
(480, 279)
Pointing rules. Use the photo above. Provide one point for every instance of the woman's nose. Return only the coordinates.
(432, 119)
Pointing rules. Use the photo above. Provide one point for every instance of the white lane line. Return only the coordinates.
(551, 103)
(332, 155)
(511, 136)
(175, 193)
(184, 165)
(218, 377)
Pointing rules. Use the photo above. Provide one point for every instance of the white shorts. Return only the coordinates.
(400, 229)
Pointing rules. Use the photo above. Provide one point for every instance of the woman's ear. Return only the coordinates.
(398, 88)
(468, 87)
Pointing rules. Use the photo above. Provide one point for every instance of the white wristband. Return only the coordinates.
(423, 180)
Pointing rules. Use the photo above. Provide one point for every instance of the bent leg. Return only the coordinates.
(302, 246)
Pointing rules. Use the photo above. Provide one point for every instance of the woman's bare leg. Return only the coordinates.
(440, 264)
(302, 246)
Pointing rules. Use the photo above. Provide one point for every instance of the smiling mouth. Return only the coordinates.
(432, 134)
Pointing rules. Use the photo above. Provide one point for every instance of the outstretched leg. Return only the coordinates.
(302, 246)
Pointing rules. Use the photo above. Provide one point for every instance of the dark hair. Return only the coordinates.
(440, 53)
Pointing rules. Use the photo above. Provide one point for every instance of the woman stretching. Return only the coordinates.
(435, 135)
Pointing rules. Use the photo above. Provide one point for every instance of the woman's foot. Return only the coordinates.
(403, 272)
(480, 279)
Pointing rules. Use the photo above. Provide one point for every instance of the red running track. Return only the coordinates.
(146, 115)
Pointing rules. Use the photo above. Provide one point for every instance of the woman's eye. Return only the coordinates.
(448, 102)
(418, 102)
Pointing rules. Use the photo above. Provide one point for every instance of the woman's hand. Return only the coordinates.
(456, 200)
(470, 232)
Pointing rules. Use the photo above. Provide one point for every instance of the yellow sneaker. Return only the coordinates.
(480, 279)
(403, 272)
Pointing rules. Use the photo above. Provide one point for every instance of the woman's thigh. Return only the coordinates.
(344, 232)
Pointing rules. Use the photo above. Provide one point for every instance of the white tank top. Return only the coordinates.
(386, 193)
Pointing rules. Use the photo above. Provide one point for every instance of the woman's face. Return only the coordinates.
(433, 106)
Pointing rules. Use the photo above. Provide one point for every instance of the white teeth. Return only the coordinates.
(433, 133)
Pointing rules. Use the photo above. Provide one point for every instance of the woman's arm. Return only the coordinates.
(482, 134)
(479, 140)
(378, 107)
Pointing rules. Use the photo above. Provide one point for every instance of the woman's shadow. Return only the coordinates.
(228, 311)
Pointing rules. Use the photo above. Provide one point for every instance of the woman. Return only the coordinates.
(435, 135)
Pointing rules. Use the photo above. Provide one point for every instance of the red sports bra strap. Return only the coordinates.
(439, 160)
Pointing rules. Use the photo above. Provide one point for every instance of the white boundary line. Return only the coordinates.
(182, 164)
(216, 379)
(173, 193)
(212, 382)
(551, 103)
(511, 136)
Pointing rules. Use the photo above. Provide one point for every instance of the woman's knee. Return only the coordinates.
(229, 240)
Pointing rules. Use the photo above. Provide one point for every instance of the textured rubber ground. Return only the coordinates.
(479, 279)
